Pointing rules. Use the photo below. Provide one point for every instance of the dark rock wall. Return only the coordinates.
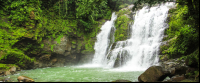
(68, 52)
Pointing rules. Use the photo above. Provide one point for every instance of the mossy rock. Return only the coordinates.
(121, 26)
(122, 12)
(153, 74)
(7, 66)
(123, 6)
(164, 57)
(192, 60)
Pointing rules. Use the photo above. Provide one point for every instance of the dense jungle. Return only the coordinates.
(36, 34)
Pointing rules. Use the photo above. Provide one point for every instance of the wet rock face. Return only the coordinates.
(153, 74)
(120, 61)
(86, 58)
(178, 71)
(174, 66)
(64, 45)
(49, 61)
(68, 52)
(192, 63)
(45, 57)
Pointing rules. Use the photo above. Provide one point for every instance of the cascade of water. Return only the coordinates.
(139, 51)
(103, 42)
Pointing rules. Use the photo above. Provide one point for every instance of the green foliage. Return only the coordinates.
(176, 22)
(118, 4)
(20, 57)
(4, 66)
(121, 25)
(52, 47)
(122, 12)
(42, 45)
(123, 6)
(73, 42)
(108, 15)
(183, 34)
(88, 11)
(193, 57)
(187, 37)
(40, 19)
(88, 43)
(58, 39)
(16, 23)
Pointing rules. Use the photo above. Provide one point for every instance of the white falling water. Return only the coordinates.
(103, 42)
(141, 50)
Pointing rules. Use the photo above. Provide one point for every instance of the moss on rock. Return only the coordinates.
(121, 25)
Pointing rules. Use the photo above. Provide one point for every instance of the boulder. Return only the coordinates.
(178, 71)
(120, 80)
(153, 74)
(1, 72)
(191, 63)
(18, 68)
(174, 66)
(177, 78)
(25, 79)
(7, 73)
(13, 70)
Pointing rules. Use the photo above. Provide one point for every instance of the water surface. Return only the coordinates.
(76, 74)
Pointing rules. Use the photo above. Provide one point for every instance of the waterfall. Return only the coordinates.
(103, 41)
(140, 51)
